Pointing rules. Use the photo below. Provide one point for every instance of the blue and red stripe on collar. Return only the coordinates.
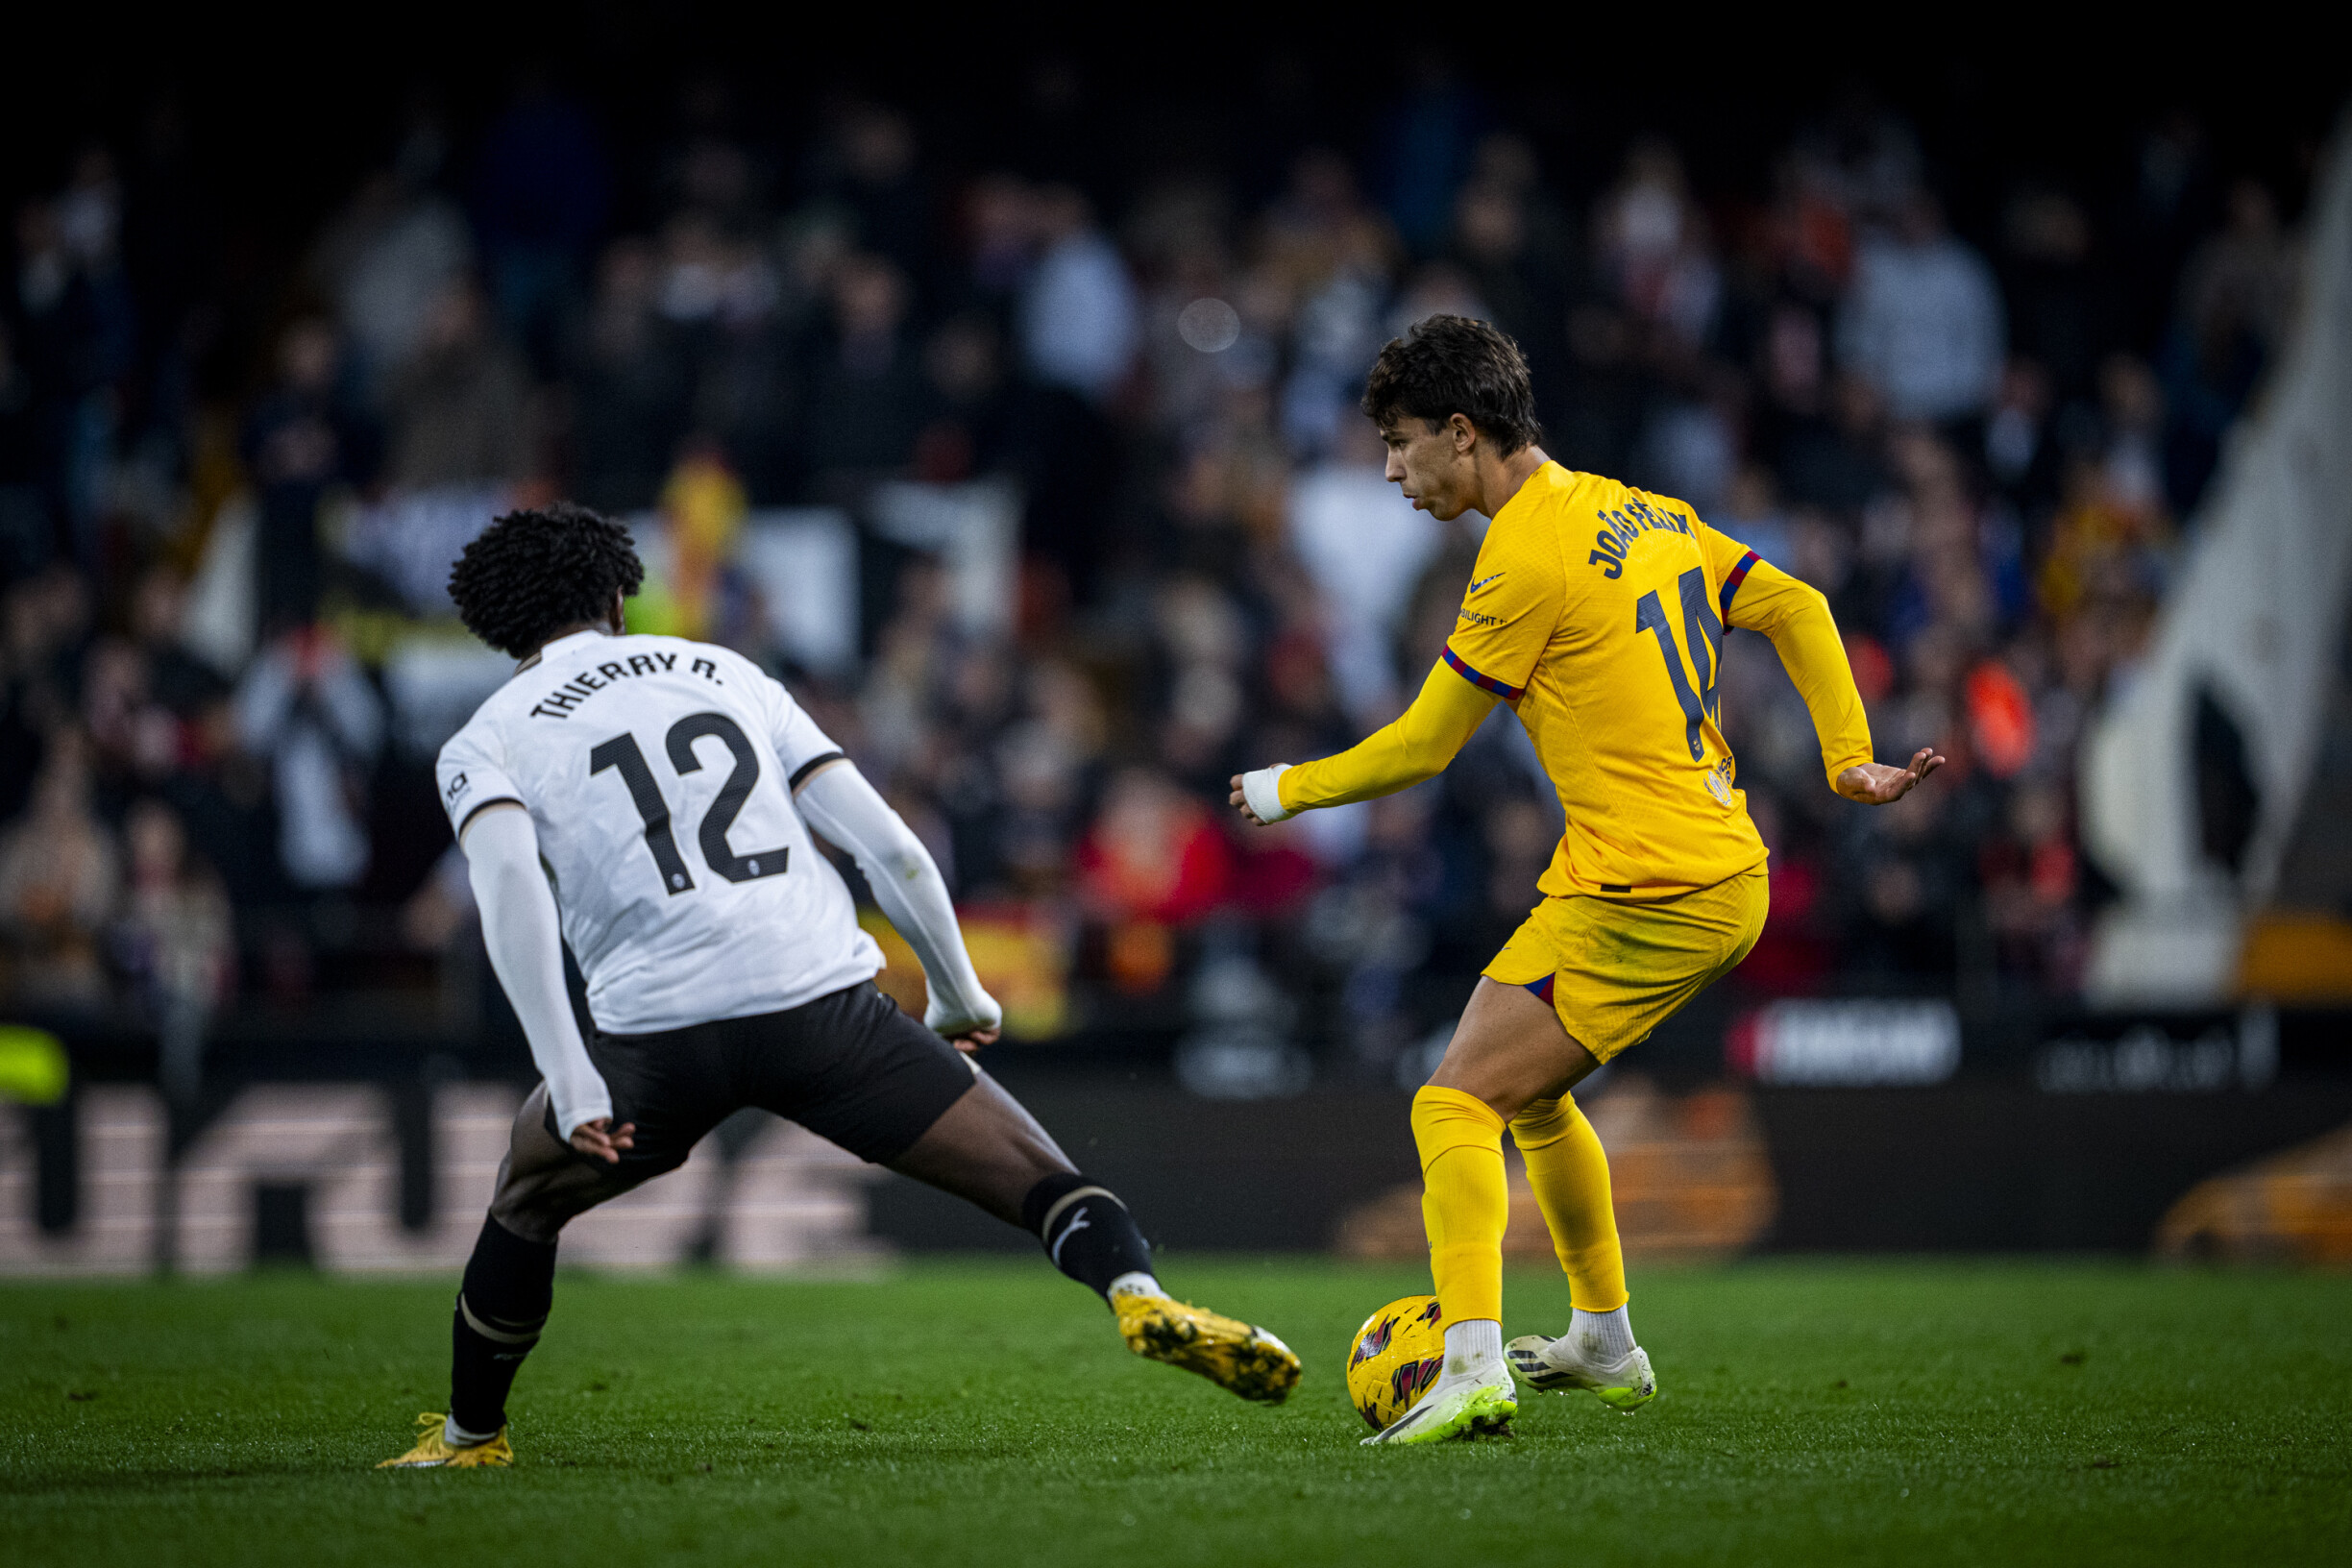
(1731, 585)
(1507, 693)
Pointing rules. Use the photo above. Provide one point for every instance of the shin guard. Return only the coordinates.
(1464, 1203)
(1086, 1230)
(503, 1305)
(1569, 1170)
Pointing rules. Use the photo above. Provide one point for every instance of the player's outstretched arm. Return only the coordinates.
(526, 942)
(840, 804)
(1762, 597)
(1424, 739)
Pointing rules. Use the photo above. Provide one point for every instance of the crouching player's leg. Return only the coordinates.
(510, 1287)
(510, 1284)
(988, 1150)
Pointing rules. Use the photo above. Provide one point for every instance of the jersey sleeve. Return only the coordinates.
(1422, 742)
(472, 774)
(1509, 610)
(1756, 596)
(801, 745)
(1729, 566)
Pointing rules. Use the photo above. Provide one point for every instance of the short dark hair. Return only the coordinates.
(1448, 365)
(532, 572)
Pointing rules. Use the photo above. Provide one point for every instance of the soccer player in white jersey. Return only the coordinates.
(650, 800)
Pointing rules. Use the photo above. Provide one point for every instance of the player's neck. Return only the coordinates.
(557, 636)
(1500, 478)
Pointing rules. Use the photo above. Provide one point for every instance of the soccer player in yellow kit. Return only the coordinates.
(1597, 612)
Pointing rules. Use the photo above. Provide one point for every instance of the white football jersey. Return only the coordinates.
(659, 775)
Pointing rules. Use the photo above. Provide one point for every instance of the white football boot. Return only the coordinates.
(1557, 1367)
(1478, 1403)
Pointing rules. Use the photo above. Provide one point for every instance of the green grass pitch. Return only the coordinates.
(983, 1411)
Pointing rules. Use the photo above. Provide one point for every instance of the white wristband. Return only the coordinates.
(1264, 792)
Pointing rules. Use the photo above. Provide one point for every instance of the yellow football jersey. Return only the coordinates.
(1598, 611)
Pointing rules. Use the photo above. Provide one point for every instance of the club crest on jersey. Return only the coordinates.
(1718, 781)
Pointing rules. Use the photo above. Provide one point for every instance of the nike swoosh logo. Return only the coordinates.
(1077, 1224)
(1482, 583)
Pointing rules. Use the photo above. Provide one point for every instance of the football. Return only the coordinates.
(1397, 1355)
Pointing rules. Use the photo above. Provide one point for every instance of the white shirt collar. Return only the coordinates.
(564, 645)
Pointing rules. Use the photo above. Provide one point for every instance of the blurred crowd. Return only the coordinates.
(215, 773)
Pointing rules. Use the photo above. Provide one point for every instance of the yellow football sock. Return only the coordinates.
(1464, 1203)
(1569, 1170)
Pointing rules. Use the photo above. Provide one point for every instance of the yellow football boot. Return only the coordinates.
(433, 1451)
(1229, 1353)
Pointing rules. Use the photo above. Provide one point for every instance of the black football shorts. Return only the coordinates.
(850, 1068)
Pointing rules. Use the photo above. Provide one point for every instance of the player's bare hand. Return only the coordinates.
(1241, 804)
(600, 1139)
(970, 1041)
(1877, 784)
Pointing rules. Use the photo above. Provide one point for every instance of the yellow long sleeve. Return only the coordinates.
(1418, 746)
(1797, 618)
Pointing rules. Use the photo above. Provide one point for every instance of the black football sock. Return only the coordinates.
(1086, 1230)
(503, 1305)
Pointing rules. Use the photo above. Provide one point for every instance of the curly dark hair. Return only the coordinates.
(530, 574)
(1448, 365)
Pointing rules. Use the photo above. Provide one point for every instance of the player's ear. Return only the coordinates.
(1464, 433)
(619, 613)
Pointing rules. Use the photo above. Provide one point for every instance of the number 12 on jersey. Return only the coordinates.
(622, 754)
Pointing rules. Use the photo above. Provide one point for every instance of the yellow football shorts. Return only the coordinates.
(1614, 969)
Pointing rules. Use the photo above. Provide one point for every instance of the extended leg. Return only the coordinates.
(988, 1150)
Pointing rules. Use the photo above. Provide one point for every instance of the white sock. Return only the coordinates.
(1604, 1339)
(1134, 1283)
(456, 1437)
(1475, 1346)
